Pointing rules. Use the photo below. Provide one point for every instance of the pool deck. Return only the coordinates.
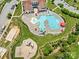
(27, 20)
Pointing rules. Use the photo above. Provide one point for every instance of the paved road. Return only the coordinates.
(67, 6)
(7, 9)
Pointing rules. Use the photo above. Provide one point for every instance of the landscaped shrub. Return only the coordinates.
(9, 15)
(62, 55)
(52, 1)
(71, 39)
(47, 50)
(2, 5)
(61, 5)
(76, 33)
(67, 56)
(8, 0)
(72, 14)
(76, 29)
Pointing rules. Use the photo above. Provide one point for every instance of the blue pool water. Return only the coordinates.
(53, 22)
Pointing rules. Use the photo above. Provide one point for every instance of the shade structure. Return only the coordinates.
(62, 24)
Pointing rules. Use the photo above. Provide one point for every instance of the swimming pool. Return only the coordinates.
(53, 22)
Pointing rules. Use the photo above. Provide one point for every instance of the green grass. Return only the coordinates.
(74, 51)
(72, 3)
(68, 1)
(42, 40)
(2, 5)
(25, 33)
(50, 5)
(18, 10)
(70, 22)
(47, 49)
(8, 1)
(50, 57)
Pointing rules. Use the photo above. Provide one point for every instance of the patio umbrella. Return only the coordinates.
(62, 24)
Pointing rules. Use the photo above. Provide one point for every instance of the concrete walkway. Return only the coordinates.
(55, 8)
(27, 50)
(66, 5)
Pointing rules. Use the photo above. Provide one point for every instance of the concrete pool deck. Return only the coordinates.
(27, 20)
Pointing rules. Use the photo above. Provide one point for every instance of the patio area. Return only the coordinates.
(27, 50)
(34, 28)
(13, 33)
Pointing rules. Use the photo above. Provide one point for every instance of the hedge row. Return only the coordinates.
(72, 14)
(2, 5)
(47, 50)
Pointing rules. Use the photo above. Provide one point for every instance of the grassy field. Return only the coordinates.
(25, 33)
(72, 3)
(50, 5)
(18, 10)
(2, 5)
(74, 51)
(70, 22)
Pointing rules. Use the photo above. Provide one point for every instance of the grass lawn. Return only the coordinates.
(18, 10)
(2, 5)
(72, 3)
(42, 40)
(50, 57)
(25, 33)
(50, 5)
(70, 22)
(74, 51)
(69, 1)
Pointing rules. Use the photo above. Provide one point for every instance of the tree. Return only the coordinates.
(63, 55)
(61, 5)
(52, 1)
(9, 15)
(47, 50)
(75, 1)
(8, 0)
(72, 14)
(67, 56)
(76, 29)
(71, 39)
